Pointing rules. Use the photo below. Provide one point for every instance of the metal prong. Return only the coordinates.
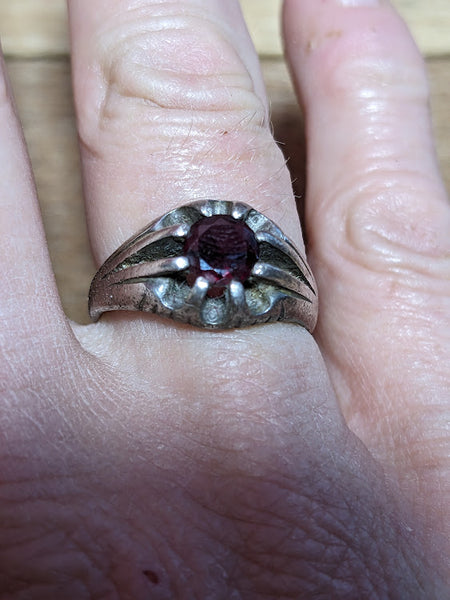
(198, 292)
(283, 279)
(145, 270)
(239, 210)
(237, 296)
(237, 304)
(284, 246)
(144, 238)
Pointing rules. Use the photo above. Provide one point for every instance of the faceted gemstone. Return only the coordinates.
(220, 249)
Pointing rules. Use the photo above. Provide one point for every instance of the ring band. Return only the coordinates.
(214, 264)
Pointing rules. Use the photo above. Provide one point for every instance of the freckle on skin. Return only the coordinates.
(311, 45)
(334, 33)
(314, 41)
(152, 577)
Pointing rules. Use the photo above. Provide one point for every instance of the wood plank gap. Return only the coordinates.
(46, 57)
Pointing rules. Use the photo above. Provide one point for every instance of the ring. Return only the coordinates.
(214, 264)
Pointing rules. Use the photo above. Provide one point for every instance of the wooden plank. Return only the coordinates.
(34, 27)
(43, 94)
(429, 22)
(39, 28)
(44, 99)
(438, 70)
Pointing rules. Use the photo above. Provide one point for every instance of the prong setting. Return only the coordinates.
(151, 272)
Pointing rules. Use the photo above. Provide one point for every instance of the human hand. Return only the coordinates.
(141, 458)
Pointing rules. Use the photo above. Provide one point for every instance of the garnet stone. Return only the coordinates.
(220, 249)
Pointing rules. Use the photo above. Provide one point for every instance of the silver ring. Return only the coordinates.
(213, 264)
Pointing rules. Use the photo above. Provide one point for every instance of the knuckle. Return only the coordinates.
(166, 64)
(396, 230)
(176, 67)
(394, 223)
(372, 81)
(379, 70)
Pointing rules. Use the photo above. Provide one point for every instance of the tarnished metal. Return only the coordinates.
(148, 273)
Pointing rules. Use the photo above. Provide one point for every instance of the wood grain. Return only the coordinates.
(35, 40)
(429, 21)
(39, 27)
(34, 28)
(44, 100)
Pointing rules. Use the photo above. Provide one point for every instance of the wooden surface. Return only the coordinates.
(35, 42)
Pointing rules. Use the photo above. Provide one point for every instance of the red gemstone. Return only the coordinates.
(220, 249)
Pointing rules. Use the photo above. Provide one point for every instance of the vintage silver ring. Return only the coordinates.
(214, 264)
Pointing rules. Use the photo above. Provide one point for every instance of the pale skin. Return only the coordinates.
(144, 459)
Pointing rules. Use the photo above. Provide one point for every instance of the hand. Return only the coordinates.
(144, 459)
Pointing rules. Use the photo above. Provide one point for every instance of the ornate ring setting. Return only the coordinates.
(213, 264)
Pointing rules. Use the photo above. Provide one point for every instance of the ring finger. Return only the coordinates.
(171, 108)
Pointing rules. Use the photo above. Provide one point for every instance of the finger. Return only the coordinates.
(379, 225)
(30, 311)
(171, 108)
